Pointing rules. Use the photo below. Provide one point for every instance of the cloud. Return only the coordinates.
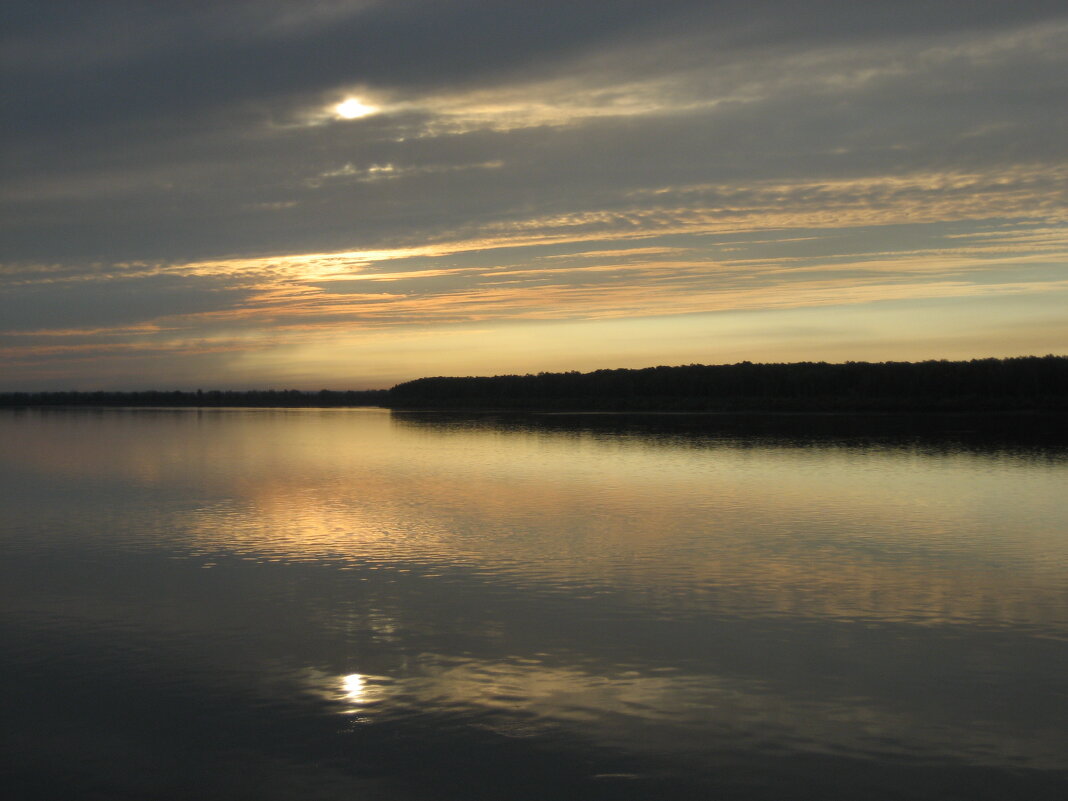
(163, 167)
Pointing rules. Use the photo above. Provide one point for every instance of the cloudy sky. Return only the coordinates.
(351, 193)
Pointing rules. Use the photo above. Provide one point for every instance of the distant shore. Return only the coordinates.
(1026, 383)
(285, 398)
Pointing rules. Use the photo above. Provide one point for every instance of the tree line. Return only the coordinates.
(979, 384)
(1027, 382)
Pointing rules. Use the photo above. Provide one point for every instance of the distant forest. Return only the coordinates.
(1023, 383)
(981, 384)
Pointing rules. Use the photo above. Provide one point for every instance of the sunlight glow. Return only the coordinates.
(355, 687)
(353, 108)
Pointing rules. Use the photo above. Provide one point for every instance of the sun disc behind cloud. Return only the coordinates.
(353, 108)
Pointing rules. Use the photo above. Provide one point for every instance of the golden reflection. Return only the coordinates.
(825, 533)
(356, 695)
(724, 527)
(355, 688)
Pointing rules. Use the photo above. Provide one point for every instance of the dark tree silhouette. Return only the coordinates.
(1026, 382)
(980, 384)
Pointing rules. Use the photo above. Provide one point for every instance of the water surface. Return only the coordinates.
(348, 604)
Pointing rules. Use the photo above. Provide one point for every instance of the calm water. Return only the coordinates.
(348, 604)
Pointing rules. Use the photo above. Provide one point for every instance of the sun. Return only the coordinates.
(353, 108)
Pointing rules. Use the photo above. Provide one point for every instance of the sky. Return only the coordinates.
(347, 194)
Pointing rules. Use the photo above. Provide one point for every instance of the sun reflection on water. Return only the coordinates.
(671, 712)
(355, 687)
(359, 696)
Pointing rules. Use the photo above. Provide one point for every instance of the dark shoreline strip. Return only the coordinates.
(1026, 383)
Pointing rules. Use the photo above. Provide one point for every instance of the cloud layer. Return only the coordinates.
(184, 196)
